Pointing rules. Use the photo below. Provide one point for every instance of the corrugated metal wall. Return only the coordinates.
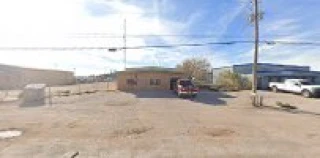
(12, 77)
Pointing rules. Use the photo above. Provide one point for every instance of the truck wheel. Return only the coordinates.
(274, 89)
(306, 93)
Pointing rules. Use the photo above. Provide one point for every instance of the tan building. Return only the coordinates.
(14, 77)
(147, 78)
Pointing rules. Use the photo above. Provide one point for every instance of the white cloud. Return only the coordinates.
(289, 31)
(283, 25)
(309, 57)
(222, 23)
(217, 59)
(46, 23)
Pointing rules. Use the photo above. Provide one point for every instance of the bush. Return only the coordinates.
(202, 84)
(246, 83)
(230, 81)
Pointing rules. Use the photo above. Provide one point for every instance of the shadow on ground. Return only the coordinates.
(292, 111)
(205, 97)
(212, 98)
(29, 104)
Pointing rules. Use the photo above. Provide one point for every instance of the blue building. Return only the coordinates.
(271, 73)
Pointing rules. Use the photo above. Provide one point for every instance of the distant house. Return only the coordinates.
(147, 78)
(270, 73)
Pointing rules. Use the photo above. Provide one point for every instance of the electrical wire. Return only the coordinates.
(211, 35)
(269, 42)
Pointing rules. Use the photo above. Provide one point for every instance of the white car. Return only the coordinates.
(299, 86)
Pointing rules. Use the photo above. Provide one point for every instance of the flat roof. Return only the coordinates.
(152, 69)
(271, 64)
(5, 67)
(268, 64)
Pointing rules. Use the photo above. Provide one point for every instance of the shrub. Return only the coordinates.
(231, 81)
(202, 84)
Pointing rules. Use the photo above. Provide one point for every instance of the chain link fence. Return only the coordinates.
(61, 91)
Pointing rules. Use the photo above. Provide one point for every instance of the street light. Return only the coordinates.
(113, 49)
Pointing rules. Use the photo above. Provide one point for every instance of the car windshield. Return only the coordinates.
(186, 83)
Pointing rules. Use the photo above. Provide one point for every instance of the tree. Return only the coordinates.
(195, 67)
(233, 81)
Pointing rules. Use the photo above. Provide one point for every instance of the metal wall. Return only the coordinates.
(270, 72)
(247, 68)
(12, 77)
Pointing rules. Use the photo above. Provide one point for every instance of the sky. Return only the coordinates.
(100, 23)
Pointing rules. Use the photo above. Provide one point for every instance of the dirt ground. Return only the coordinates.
(158, 124)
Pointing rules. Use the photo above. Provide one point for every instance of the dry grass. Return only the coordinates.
(131, 131)
(218, 132)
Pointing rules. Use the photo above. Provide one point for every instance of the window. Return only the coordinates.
(155, 82)
(312, 80)
(131, 82)
(305, 83)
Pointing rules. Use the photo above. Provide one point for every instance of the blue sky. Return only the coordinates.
(69, 23)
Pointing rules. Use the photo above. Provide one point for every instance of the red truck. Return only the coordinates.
(185, 87)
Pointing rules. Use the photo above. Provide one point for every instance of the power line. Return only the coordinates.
(211, 35)
(106, 35)
(109, 48)
(293, 43)
(268, 42)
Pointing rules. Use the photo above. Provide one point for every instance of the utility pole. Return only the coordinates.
(256, 99)
(125, 44)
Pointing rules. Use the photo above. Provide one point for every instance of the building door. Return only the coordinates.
(173, 82)
(259, 83)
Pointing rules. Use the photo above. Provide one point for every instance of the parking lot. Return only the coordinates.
(158, 124)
